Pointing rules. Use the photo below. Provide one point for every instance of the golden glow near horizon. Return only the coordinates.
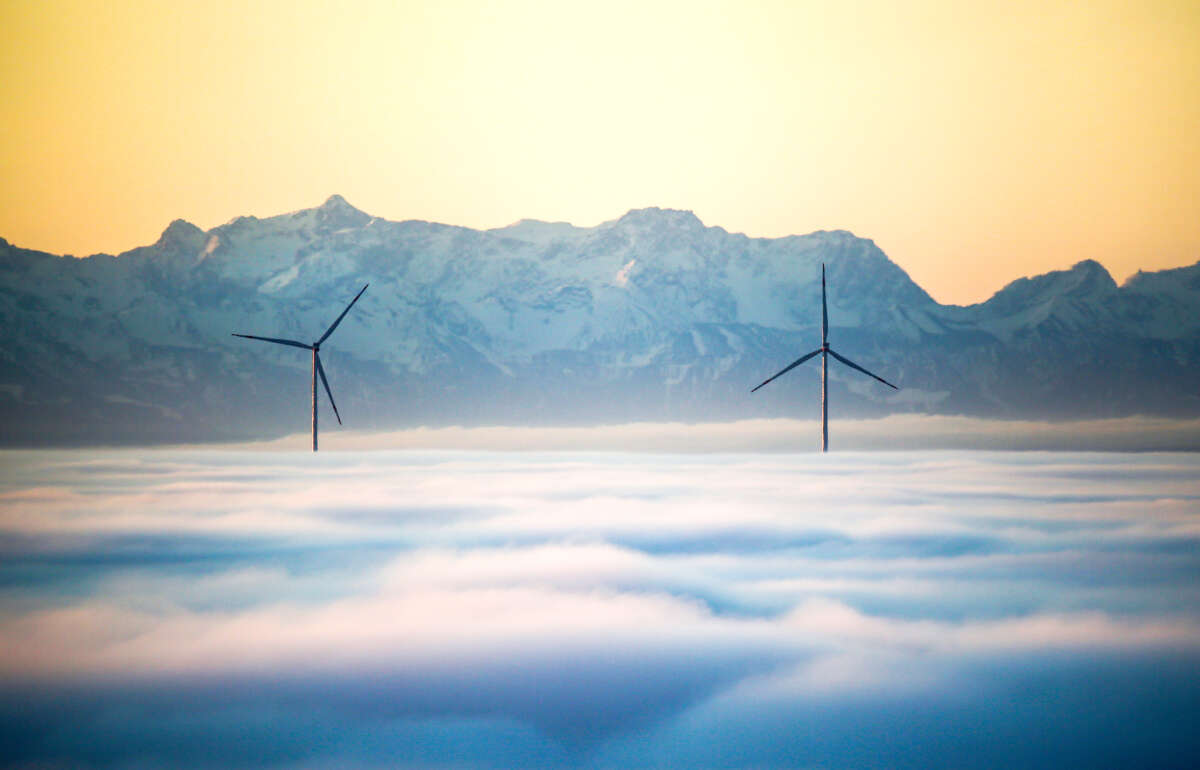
(974, 142)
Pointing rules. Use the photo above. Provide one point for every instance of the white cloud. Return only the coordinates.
(567, 591)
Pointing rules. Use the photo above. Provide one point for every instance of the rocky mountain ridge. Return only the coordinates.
(650, 316)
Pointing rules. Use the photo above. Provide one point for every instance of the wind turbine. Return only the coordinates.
(316, 359)
(825, 352)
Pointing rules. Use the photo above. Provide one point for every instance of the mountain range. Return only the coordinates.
(652, 316)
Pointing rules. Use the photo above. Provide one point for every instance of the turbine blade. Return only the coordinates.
(328, 392)
(853, 365)
(293, 343)
(824, 311)
(334, 325)
(790, 367)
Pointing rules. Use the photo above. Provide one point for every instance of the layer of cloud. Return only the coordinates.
(542, 609)
(904, 432)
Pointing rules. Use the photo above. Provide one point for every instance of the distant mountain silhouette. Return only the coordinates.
(652, 316)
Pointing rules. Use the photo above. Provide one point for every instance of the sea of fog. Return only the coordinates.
(437, 608)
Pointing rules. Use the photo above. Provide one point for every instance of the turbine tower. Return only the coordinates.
(825, 352)
(317, 369)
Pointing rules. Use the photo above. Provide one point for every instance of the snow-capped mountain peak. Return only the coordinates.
(179, 232)
(336, 214)
(657, 218)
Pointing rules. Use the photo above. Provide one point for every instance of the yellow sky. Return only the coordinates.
(975, 142)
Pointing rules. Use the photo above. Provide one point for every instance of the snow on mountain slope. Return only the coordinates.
(1163, 304)
(540, 233)
(1079, 298)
